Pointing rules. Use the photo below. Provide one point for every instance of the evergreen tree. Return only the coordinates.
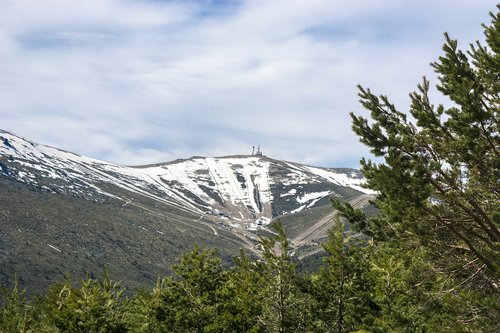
(143, 312)
(438, 195)
(243, 303)
(93, 307)
(439, 178)
(343, 287)
(285, 307)
(14, 315)
(189, 302)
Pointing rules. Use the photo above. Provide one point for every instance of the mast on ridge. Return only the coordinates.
(259, 152)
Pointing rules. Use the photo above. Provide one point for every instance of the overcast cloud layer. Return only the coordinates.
(136, 82)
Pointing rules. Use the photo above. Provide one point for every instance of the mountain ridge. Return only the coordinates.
(211, 180)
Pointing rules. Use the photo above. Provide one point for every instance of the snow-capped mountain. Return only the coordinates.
(247, 189)
(62, 213)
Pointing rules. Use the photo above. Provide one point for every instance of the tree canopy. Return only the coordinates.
(439, 182)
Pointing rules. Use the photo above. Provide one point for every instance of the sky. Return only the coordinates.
(146, 81)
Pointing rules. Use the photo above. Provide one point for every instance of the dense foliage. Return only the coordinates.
(359, 288)
(428, 262)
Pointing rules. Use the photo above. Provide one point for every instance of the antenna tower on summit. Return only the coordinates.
(259, 152)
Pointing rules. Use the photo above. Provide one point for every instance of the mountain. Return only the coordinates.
(63, 213)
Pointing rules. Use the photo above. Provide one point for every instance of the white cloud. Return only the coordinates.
(142, 81)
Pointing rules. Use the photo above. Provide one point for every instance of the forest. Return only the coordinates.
(427, 262)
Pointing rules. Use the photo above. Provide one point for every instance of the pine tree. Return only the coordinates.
(439, 179)
(189, 301)
(285, 307)
(343, 287)
(14, 315)
(94, 306)
(243, 299)
(438, 195)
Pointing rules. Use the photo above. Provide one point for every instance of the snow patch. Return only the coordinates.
(312, 196)
(293, 191)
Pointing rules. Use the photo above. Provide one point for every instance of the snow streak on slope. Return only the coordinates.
(342, 179)
(83, 175)
(350, 179)
(235, 184)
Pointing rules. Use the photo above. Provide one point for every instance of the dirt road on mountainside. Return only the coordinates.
(320, 228)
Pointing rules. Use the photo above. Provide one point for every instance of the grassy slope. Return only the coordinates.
(135, 245)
